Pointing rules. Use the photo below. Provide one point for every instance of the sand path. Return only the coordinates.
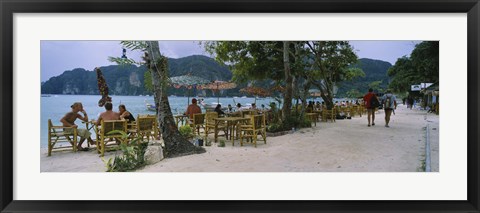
(343, 146)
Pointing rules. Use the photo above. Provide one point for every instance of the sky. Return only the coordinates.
(60, 56)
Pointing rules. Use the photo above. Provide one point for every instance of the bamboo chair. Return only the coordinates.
(103, 134)
(257, 126)
(132, 128)
(198, 122)
(147, 127)
(248, 112)
(57, 134)
(210, 123)
(313, 117)
(329, 114)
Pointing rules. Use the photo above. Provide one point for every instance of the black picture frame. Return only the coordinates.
(9, 7)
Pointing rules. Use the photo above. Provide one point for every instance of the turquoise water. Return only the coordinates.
(55, 107)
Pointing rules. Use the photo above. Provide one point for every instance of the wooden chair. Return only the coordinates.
(198, 122)
(210, 123)
(103, 134)
(147, 127)
(257, 126)
(248, 112)
(313, 117)
(329, 114)
(60, 134)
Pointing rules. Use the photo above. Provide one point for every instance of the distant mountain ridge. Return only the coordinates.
(375, 70)
(129, 79)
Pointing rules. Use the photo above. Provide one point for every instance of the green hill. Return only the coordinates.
(375, 70)
(129, 79)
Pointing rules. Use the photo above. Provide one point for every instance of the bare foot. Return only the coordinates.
(92, 142)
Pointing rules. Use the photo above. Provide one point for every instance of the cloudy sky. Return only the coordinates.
(60, 56)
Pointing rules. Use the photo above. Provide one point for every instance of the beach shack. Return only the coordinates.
(432, 96)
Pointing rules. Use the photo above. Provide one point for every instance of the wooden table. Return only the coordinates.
(87, 125)
(182, 118)
(231, 122)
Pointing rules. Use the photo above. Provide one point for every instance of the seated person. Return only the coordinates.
(230, 109)
(69, 121)
(309, 108)
(193, 109)
(254, 106)
(239, 107)
(108, 115)
(218, 110)
(124, 114)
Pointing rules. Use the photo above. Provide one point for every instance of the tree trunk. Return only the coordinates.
(326, 92)
(304, 97)
(287, 98)
(175, 143)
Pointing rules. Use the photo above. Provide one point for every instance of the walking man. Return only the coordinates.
(371, 102)
(389, 104)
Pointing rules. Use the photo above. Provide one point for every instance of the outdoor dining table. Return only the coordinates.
(180, 118)
(89, 125)
(231, 122)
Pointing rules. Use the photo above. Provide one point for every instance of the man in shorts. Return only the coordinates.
(367, 99)
(389, 104)
(69, 121)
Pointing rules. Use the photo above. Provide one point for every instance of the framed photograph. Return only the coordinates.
(38, 37)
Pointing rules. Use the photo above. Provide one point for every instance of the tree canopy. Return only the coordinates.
(421, 67)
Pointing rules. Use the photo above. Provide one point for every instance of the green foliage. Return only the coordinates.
(132, 155)
(148, 81)
(186, 131)
(275, 127)
(420, 67)
(374, 70)
(250, 60)
(376, 86)
(353, 93)
(221, 143)
(207, 142)
(295, 120)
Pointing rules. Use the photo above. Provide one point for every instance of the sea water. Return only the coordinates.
(55, 107)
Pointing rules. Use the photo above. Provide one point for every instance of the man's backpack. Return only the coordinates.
(374, 102)
(388, 102)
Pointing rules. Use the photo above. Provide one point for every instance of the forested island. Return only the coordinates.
(130, 79)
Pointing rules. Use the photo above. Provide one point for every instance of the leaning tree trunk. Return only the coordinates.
(326, 92)
(287, 98)
(175, 143)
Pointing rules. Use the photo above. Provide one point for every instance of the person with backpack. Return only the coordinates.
(371, 103)
(389, 104)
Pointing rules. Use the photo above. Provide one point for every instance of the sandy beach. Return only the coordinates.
(342, 146)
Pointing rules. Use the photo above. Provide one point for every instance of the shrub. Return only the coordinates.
(186, 131)
(132, 155)
(221, 143)
(275, 127)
